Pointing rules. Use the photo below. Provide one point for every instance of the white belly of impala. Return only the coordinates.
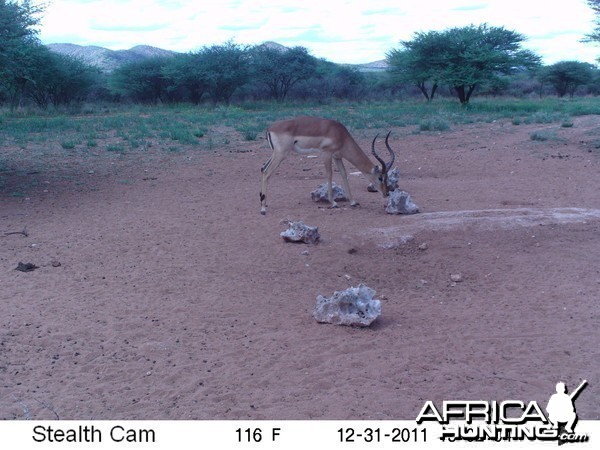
(308, 145)
(303, 150)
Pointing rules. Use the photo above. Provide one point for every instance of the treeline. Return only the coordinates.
(456, 62)
(230, 71)
(233, 72)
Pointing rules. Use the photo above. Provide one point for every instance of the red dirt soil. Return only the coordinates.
(176, 299)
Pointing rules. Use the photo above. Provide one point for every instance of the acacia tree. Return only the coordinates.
(417, 62)
(594, 36)
(188, 77)
(281, 68)
(142, 81)
(71, 79)
(463, 58)
(567, 76)
(224, 69)
(18, 46)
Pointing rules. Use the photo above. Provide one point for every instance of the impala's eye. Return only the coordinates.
(381, 179)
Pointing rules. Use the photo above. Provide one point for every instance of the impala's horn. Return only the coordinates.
(392, 154)
(377, 157)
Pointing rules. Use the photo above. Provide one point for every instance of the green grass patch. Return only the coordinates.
(137, 128)
(544, 117)
(434, 124)
(117, 148)
(544, 135)
(251, 131)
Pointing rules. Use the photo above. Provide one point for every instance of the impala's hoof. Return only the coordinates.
(263, 212)
(354, 204)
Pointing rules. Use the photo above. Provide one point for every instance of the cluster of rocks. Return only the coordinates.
(398, 201)
(355, 306)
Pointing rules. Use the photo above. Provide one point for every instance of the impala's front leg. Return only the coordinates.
(327, 159)
(342, 169)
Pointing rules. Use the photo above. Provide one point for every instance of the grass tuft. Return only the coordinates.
(544, 135)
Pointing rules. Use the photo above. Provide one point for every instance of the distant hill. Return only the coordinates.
(108, 60)
(375, 66)
(274, 46)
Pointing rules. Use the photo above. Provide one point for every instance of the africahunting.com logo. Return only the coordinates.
(510, 420)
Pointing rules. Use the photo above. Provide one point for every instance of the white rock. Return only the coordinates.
(320, 194)
(300, 232)
(399, 202)
(355, 307)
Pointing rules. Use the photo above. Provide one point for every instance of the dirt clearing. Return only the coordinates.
(162, 293)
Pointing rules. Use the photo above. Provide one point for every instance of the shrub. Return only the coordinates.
(544, 135)
(434, 124)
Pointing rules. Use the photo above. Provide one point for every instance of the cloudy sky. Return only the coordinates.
(343, 31)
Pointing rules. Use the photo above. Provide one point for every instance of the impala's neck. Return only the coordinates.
(360, 160)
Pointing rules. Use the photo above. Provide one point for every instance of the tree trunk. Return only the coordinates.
(460, 91)
(433, 89)
(470, 91)
(421, 86)
(464, 93)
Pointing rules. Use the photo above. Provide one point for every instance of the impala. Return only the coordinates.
(333, 141)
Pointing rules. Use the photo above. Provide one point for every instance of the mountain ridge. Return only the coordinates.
(108, 60)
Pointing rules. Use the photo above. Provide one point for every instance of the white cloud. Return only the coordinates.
(338, 30)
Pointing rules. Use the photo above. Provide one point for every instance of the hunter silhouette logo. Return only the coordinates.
(509, 420)
(561, 410)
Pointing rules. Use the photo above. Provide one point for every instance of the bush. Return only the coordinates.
(544, 135)
(434, 124)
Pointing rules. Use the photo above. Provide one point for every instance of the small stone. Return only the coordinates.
(423, 246)
(26, 267)
(55, 263)
(456, 277)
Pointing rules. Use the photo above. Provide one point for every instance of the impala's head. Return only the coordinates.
(379, 180)
(380, 174)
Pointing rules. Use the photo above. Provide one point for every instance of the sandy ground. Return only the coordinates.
(162, 293)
